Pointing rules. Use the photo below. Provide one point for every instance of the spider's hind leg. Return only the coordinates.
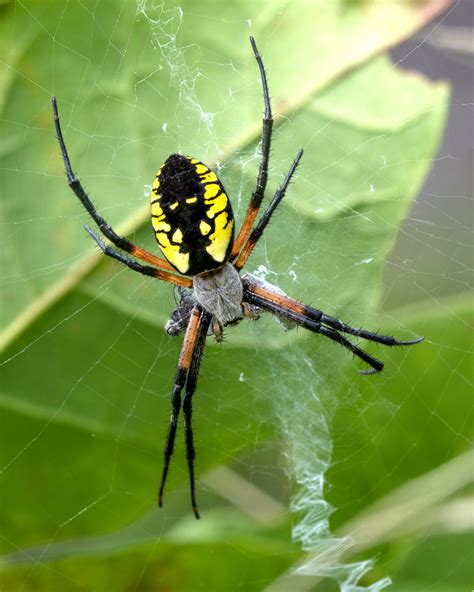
(272, 299)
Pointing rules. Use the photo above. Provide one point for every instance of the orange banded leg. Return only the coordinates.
(148, 257)
(263, 296)
(192, 336)
(191, 385)
(265, 219)
(148, 270)
(257, 195)
(264, 290)
(74, 183)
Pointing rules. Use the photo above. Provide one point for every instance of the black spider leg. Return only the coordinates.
(319, 316)
(191, 384)
(315, 327)
(74, 183)
(186, 357)
(265, 219)
(147, 270)
(267, 126)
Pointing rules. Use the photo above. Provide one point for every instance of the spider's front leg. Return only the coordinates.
(119, 241)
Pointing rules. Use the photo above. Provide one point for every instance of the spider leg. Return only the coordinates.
(318, 315)
(315, 327)
(185, 361)
(74, 183)
(143, 269)
(265, 219)
(187, 402)
(258, 294)
(257, 195)
(258, 287)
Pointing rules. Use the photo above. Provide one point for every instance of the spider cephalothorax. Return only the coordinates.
(194, 226)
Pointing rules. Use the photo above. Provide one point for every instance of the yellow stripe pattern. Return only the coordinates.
(217, 206)
(216, 229)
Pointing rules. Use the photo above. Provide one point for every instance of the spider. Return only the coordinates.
(194, 226)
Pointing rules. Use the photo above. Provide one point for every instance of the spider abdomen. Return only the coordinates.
(221, 294)
(191, 216)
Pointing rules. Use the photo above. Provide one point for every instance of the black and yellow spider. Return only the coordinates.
(194, 226)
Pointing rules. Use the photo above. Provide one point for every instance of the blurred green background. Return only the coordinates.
(292, 443)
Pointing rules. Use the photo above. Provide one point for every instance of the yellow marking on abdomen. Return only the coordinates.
(177, 236)
(219, 204)
(204, 227)
(174, 206)
(211, 190)
(191, 200)
(201, 169)
(220, 238)
(160, 225)
(209, 177)
(171, 252)
(156, 209)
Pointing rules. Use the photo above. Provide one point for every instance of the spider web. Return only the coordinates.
(297, 397)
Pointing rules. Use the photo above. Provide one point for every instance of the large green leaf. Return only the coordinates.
(404, 444)
(87, 367)
(406, 522)
(130, 94)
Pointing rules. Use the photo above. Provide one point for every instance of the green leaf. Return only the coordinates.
(406, 522)
(247, 558)
(150, 97)
(411, 420)
(402, 462)
(442, 562)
